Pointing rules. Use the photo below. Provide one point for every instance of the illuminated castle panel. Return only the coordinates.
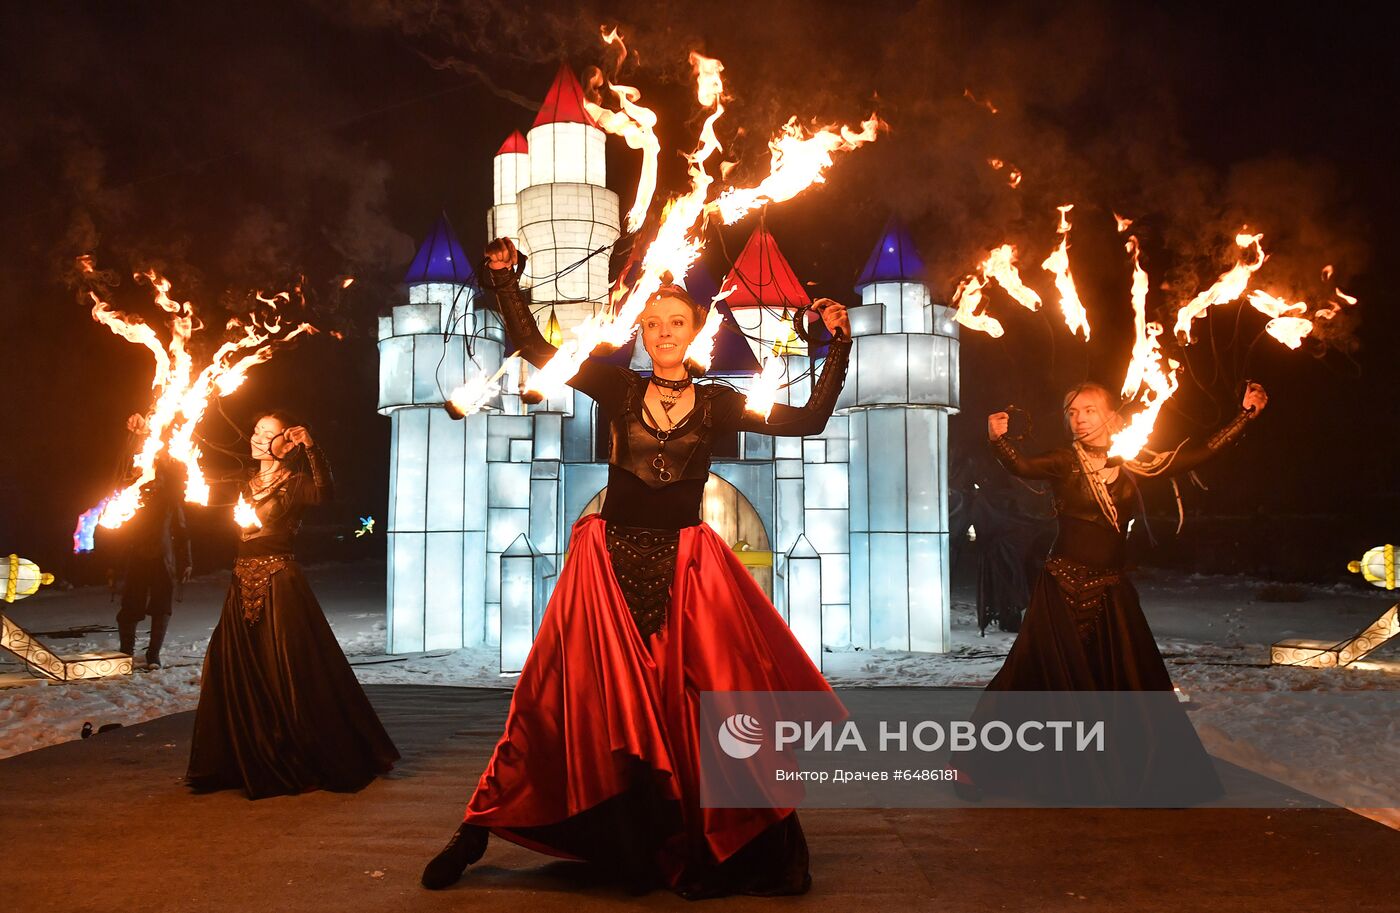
(847, 530)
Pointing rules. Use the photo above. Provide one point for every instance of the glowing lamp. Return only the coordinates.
(22, 578)
(1377, 566)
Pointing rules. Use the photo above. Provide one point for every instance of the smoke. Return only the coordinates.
(1090, 101)
(131, 145)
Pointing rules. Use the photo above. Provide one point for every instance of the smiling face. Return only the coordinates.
(268, 441)
(1089, 417)
(668, 326)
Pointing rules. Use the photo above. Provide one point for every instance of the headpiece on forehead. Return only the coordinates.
(678, 292)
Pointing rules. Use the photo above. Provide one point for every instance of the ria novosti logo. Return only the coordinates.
(740, 736)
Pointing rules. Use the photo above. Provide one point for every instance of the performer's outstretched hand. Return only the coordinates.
(833, 315)
(501, 253)
(997, 424)
(1255, 398)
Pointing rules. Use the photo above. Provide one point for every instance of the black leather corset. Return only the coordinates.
(659, 458)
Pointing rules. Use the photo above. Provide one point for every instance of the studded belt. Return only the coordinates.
(644, 563)
(1085, 590)
(254, 576)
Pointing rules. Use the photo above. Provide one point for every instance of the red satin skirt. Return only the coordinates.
(600, 751)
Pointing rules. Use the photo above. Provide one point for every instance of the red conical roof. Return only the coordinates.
(762, 277)
(564, 103)
(516, 142)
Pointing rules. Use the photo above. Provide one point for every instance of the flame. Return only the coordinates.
(799, 159)
(1145, 334)
(1001, 266)
(1148, 382)
(244, 514)
(181, 398)
(1327, 273)
(986, 103)
(637, 126)
(347, 282)
(966, 300)
(764, 386)
(1076, 318)
(1014, 177)
(86, 529)
(1334, 307)
(997, 164)
(1286, 325)
(1227, 288)
(1123, 223)
(471, 397)
(701, 351)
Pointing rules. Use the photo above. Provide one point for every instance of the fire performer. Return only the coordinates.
(600, 755)
(1084, 629)
(280, 710)
(158, 555)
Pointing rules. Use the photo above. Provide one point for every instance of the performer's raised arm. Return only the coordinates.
(601, 382)
(322, 487)
(1192, 455)
(800, 421)
(1052, 465)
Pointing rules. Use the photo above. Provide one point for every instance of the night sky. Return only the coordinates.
(242, 147)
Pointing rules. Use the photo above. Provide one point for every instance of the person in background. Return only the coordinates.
(158, 555)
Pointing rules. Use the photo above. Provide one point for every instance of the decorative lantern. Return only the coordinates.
(22, 578)
(1377, 566)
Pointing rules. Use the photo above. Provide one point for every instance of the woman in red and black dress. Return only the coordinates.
(600, 755)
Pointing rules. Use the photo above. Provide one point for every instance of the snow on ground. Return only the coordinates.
(1213, 632)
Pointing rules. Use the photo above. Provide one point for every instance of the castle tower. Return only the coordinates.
(510, 172)
(765, 292)
(902, 386)
(566, 211)
(437, 522)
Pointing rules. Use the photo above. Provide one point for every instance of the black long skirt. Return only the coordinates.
(280, 710)
(1084, 635)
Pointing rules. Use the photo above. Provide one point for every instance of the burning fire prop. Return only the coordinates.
(1151, 378)
(181, 394)
(799, 157)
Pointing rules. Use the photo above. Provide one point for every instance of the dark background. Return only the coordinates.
(242, 147)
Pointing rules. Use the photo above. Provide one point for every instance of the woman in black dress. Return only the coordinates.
(601, 752)
(280, 710)
(1085, 630)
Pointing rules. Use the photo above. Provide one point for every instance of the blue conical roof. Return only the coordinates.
(441, 258)
(894, 258)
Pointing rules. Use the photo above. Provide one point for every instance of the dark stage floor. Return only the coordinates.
(104, 824)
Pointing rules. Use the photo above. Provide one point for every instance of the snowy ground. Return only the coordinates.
(1213, 632)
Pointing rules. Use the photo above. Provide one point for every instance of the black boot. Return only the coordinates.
(159, 623)
(466, 846)
(126, 631)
